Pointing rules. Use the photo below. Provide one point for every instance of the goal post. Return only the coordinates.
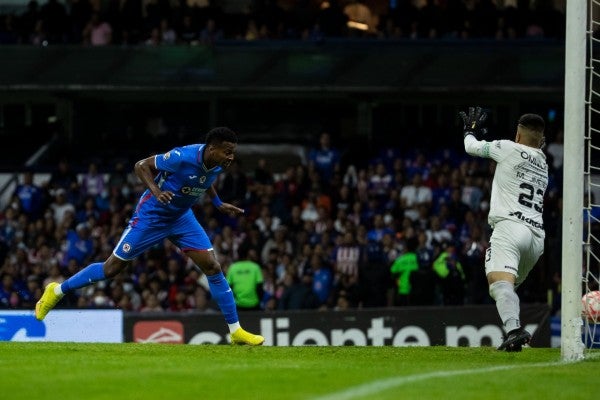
(573, 182)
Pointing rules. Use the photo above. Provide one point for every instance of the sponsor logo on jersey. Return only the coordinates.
(529, 221)
(126, 247)
(532, 160)
(511, 268)
(193, 176)
(192, 191)
(486, 150)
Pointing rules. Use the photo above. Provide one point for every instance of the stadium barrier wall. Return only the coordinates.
(103, 326)
(471, 326)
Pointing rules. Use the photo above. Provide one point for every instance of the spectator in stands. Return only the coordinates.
(279, 241)
(189, 32)
(347, 255)
(211, 33)
(401, 271)
(380, 182)
(246, 280)
(61, 207)
(79, 245)
(297, 293)
(414, 195)
(63, 177)
(322, 280)
(155, 38)
(423, 280)
(7, 291)
(151, 304)
(325, 159)
(168, 35)
(93, 182)
(97, 32)
(31, 196)
(451, 274)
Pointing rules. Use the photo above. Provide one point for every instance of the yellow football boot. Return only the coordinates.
(47, 302)
(240, 336)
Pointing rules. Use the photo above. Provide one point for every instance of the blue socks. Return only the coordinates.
(219, 288)
(221, 292)
(90, 274)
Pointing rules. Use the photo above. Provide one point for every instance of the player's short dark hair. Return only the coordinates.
(219, 135)
(532, 122)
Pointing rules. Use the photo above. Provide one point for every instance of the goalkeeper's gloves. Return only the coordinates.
(474, 121)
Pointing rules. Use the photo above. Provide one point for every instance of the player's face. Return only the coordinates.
(222, 154)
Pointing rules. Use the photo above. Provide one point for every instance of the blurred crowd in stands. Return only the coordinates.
(401, 228)
(169, 22)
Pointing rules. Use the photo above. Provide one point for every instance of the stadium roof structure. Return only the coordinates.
(331, 67)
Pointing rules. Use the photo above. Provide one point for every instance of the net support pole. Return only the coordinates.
(572, 219)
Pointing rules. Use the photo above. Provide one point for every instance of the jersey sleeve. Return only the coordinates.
(496, 149)
(169, 161)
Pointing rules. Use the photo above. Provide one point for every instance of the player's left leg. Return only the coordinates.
(223, 295)
(191, 238)
(502, 271)
(508, 262)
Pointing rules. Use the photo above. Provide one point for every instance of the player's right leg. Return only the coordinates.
(515, 340)
(134, 240)
(48, 301)
(94, 272)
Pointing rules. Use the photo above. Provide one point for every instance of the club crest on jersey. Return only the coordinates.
(126, 247)
(202, 179)
(166, 156)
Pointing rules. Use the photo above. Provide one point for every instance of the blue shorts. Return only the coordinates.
(142, 233)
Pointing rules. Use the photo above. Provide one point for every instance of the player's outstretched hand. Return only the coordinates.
(230, 209)
(473, 123)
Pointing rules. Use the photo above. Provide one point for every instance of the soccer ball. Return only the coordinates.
(591, 305)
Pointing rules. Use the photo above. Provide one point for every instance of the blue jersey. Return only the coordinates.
(182, 172)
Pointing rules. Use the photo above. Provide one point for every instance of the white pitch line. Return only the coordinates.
(380, 385)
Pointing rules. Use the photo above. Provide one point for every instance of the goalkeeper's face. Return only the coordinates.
(221, 154)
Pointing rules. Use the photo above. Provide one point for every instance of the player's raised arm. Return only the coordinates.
(146, 170)
(473, 130)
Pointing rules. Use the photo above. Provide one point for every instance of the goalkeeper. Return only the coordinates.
(515, 215)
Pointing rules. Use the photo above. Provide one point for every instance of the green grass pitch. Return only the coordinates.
(65, 371)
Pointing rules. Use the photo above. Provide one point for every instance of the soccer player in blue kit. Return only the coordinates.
(175, 181)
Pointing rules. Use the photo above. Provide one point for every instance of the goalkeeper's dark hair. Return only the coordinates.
(533, 122)
(219, 135)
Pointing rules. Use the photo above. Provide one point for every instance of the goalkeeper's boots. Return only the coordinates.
(240, 336)
(47, 302)
(515, 340)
